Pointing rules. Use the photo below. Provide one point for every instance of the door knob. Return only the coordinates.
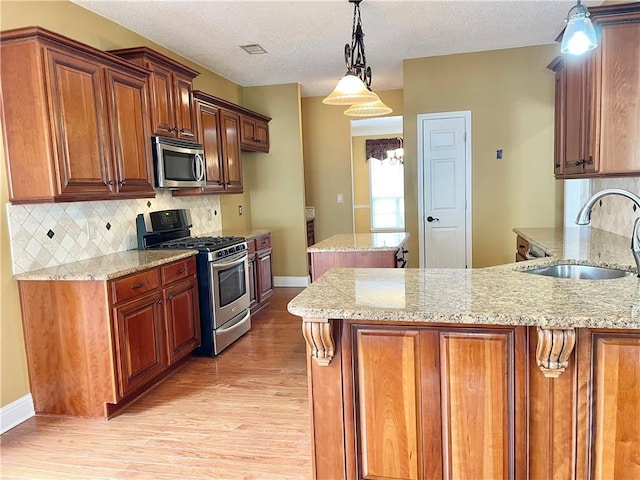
(432, 219)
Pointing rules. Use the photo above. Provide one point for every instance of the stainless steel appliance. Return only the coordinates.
(223, 275)
(178, 164)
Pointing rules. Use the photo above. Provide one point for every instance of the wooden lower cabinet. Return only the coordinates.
(421, 403)
(93, 346)
(366, 258)
(260, 271)
(467, 402)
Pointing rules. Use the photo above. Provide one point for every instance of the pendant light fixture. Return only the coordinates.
(368, 109)
(579, 34)
(355, 87)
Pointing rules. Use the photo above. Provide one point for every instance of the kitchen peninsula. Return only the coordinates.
(485, 373)
(360, 250)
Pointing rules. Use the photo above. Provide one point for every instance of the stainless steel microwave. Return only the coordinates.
(178, 164)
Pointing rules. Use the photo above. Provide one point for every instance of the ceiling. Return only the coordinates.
(305, 38)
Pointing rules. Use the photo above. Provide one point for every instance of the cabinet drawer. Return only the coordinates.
(251, 246)
(134, 285)
(522, 246)
(178, 270)
(263, 242)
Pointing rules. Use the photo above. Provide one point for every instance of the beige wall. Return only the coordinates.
(80, 24)
(277, 178)
(511, 97)
(326, 133)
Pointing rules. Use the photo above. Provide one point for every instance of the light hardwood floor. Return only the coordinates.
(242, 415)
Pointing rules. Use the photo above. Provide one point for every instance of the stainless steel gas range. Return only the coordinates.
(223, 275)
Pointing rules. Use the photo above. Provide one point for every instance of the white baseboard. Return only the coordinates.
(290, 281)
(16, 412)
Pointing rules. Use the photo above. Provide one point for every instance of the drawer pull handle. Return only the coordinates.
(135, 286)
(182, 270)
(521, 246)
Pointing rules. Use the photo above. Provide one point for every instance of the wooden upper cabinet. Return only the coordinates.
(230, 126)
(75, 120)
(79, 121)
(128, 119)
(596, 95)
(254, 133)
(172, 110)
(208, 121)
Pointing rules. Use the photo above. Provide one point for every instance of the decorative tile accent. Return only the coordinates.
(614, 213)
(46, 235)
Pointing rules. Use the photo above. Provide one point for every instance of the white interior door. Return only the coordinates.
(444, 155)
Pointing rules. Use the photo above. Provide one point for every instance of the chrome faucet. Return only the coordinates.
(584, 217)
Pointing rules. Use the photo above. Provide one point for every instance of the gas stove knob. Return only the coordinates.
(220, 253)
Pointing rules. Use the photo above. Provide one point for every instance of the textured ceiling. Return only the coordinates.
(305, 38)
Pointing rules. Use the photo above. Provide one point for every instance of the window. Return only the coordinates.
(387, 195)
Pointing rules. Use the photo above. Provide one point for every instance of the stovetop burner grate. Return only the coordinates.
(204, 243)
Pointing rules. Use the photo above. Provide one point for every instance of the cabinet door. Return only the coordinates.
(574, 128)
(208, 120)
(130, 132)
(440, 403)
(182, 319)
(619, 55)
(253, 280)
(162, 102)
(185, 119)
(76, 92)
(608, 437)
(139, 333)
(230, 132)
(262, 136)
(559, 118)
(247, 131)
(265, 275)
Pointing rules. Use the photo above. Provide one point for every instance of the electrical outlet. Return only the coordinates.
(92, 231)
(339, 198)
(239, 209)
(209, 214)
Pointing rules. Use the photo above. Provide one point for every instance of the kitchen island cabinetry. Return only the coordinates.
(387, 250)
(96, 341)
(481, 373)
(83, 115)
(595, 99)
(172, 111)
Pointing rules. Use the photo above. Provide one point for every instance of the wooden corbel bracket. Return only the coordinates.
(553, 350)
(317, 334)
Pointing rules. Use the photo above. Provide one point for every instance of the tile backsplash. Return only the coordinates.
(617, 213)
(45, 235)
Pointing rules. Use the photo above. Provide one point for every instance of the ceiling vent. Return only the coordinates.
(253, 49)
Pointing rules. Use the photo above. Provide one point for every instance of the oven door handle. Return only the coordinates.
(236, 261)
(232, 325)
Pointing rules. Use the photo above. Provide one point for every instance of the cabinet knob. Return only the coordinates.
(160, 302)
(111, 182)
(580, 162)
(557, 165)
(122, 182)
(169, 297)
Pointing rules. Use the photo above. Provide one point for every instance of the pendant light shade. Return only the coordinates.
(369, 109)
(579, 34)
(350, 89)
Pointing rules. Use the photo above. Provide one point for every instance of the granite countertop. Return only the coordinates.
(360, 242)
(239, 232)
(107, 267)
(500, 295)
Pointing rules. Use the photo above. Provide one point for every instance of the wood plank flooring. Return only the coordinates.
(242, 415)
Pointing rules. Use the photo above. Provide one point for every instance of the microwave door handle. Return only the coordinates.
(199, 167)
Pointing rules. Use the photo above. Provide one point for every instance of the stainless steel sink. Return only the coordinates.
(580, 272)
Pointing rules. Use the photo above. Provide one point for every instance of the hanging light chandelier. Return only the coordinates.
(579, 34)
(355, 87)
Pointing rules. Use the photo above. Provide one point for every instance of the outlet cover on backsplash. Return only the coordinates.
(46, 235)
(617, 213)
